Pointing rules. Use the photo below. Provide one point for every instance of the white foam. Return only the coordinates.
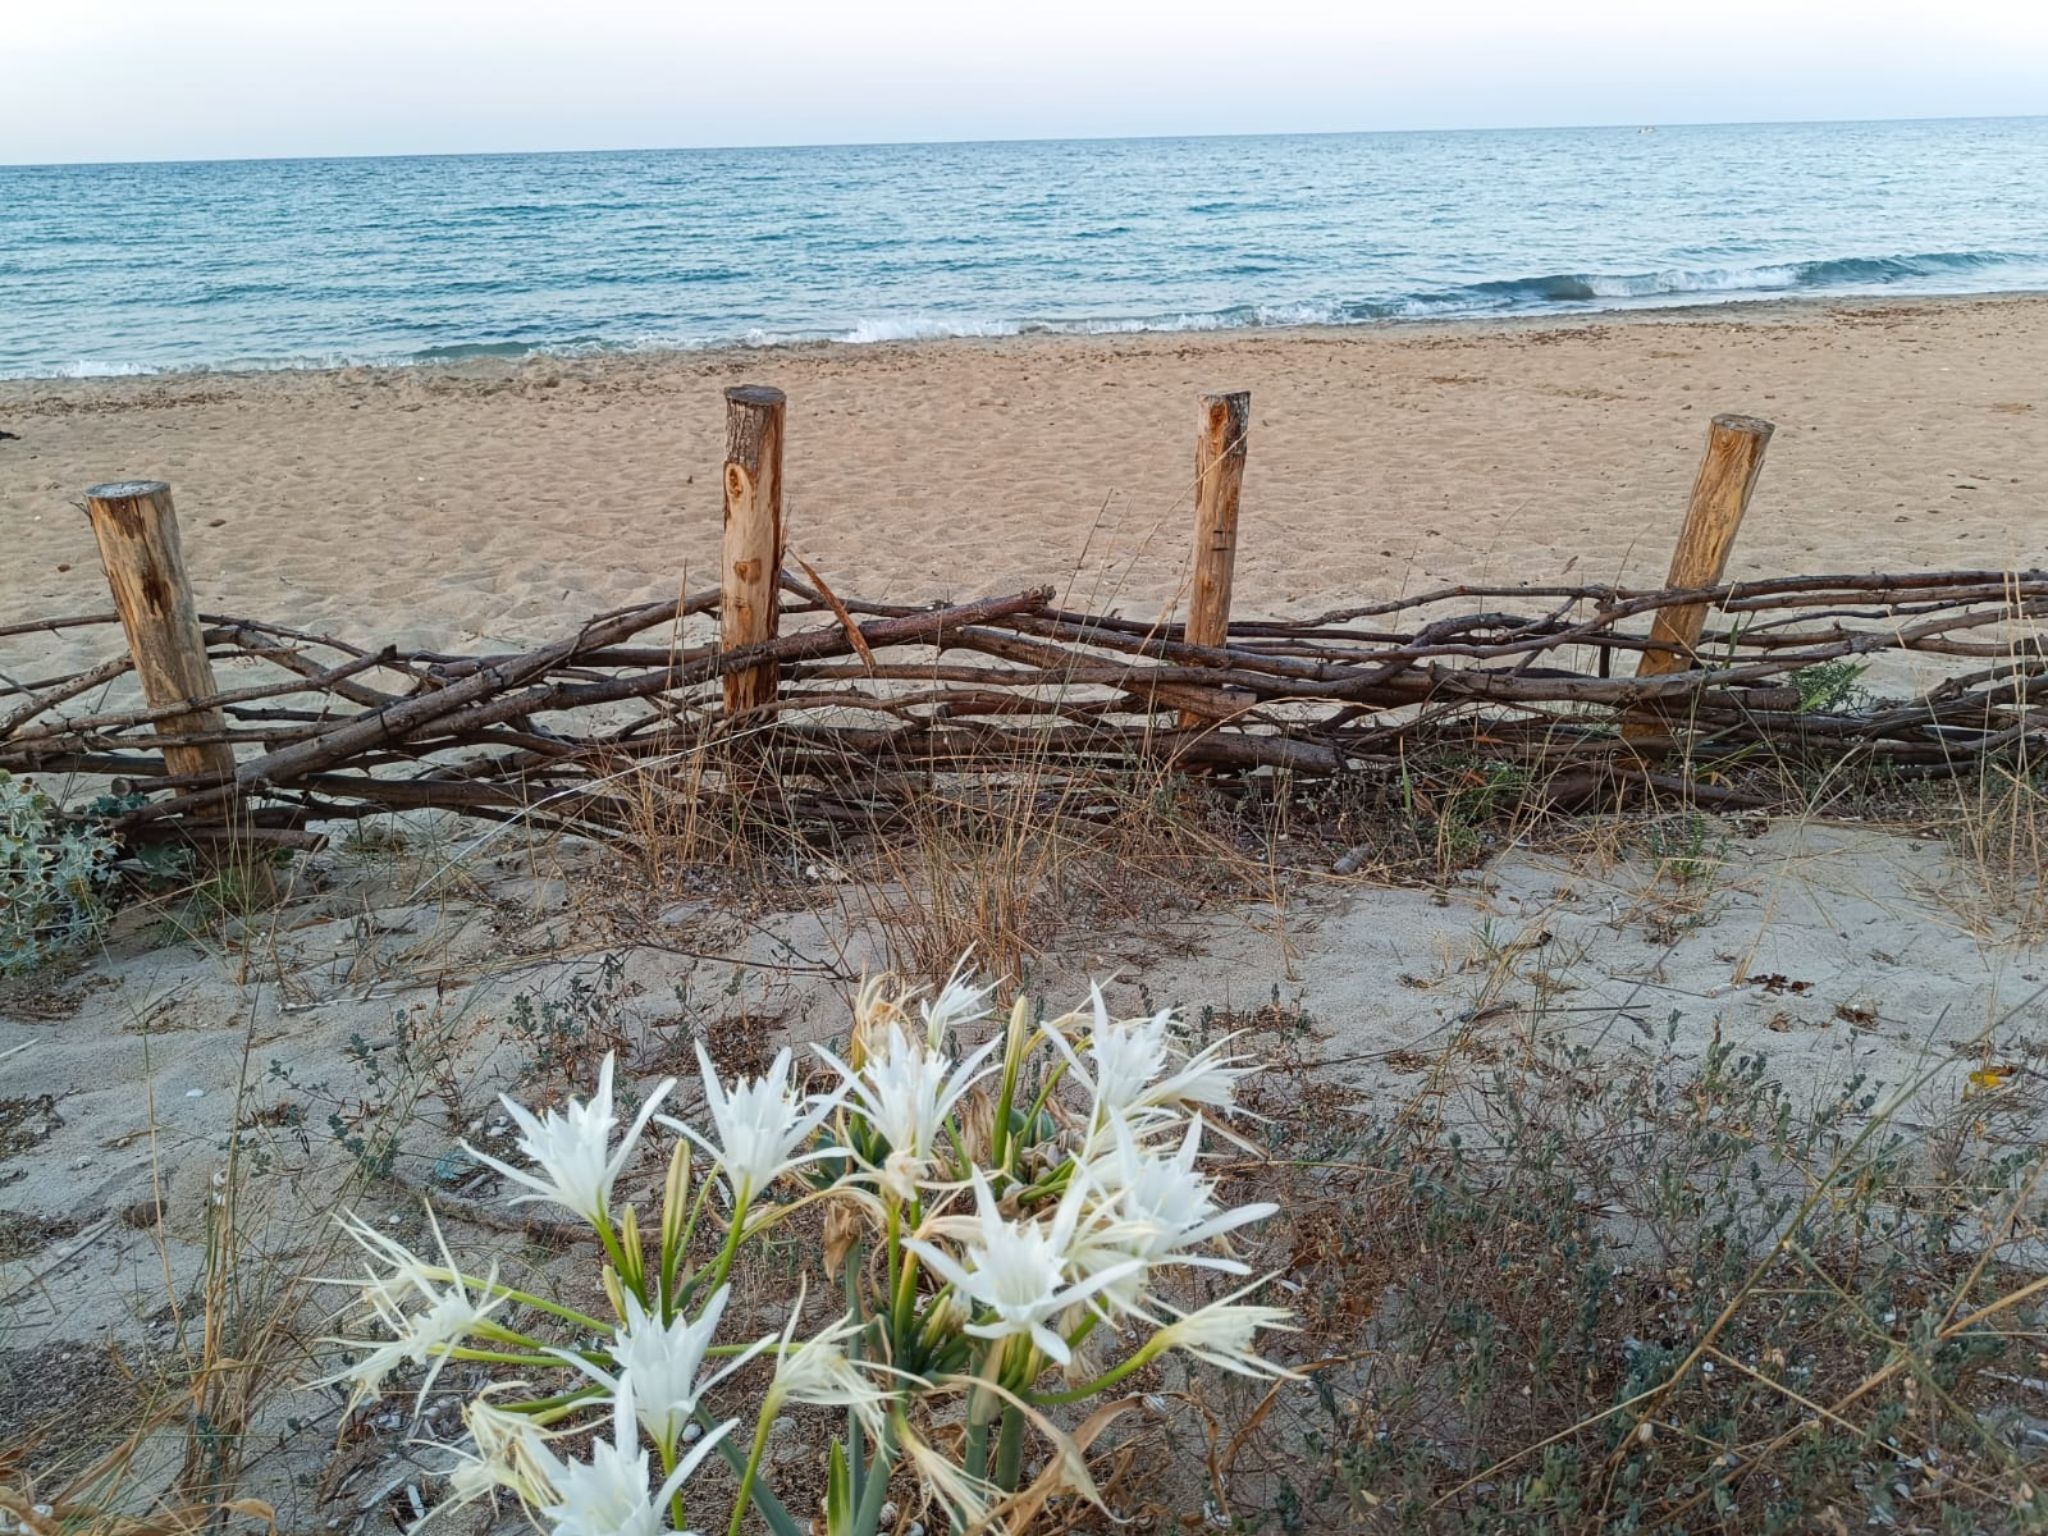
(924, 328)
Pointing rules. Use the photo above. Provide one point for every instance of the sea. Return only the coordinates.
(122, 269)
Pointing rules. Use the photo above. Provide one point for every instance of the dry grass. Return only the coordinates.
(160, 1440)
(1577, 1294)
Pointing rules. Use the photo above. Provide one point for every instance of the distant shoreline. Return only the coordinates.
(1738, 310)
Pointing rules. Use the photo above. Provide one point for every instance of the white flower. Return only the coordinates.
(607, 1495)
(511, 1454)
(760, 1122)
(1166, 1205)
(1128, 1056)
(443, 1312)
(573, 1150)
(1018, 1269)
(1131, 1071)
(663, 1362)
(966, 1497)
(905, 1093)
(959, 1002)
(1221, 1333)
(819, 1371)
(1209, 1078)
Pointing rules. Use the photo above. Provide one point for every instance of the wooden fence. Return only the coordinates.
(843, 708)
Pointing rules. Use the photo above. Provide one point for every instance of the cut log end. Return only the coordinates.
(1748, 426)
(127, 490)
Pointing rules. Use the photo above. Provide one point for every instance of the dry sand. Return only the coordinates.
(497, 501)
(1829, 951)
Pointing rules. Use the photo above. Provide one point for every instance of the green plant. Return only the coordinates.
(368, 1120)
(53, 874)
(1827, 687)
(1687, 847)
(1647, 1291)
(1004, 1222)
(565, 1032)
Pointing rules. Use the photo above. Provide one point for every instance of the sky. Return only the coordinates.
(90, 80)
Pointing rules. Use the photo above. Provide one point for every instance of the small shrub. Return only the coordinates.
(52, 874)
(1641, 1291)
(1688, 848)
(1831, 687)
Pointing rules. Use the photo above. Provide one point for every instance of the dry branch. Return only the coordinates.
(877, 698)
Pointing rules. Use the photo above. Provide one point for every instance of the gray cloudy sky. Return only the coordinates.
(174, 79)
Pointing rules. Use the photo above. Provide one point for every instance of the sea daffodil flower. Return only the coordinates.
(759, 1123)
(662, 1363)
(608, 1494)
(572, 1148)
(1017, 1270)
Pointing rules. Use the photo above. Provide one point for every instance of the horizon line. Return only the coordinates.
(1620, 125)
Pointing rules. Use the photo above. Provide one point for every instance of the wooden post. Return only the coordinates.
(752, 571)
(1720, 495)
(1219, 477)
(137, 530)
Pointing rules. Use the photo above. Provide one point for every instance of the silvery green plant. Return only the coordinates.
(1002, 1221)
(52, 872)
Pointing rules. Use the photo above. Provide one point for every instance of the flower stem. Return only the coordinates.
(540, 1405)
(892, 1243)
(856, 1451)
(672, 1259)
(1010, 1448)
(1052, 1081)
(494, 1356)
(498, 1333)
(668, 1468)
(977, 1450)
(1108, 1378)
(905, 1306)
(627, 1272)
(761, 1427)
(869, 1513)
(566, 1314)
(780, 1521)
(1014, 1051)
(723, 1265)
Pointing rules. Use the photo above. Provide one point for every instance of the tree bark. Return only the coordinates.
(1219, 478)
(752, 573)
(137, 531)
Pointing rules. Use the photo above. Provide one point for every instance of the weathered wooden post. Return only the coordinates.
(1219, 478)
(752, 574)
(1720, 496)
(137, 531)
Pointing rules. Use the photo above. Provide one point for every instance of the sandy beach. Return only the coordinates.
(492, 501)
(1490, 971)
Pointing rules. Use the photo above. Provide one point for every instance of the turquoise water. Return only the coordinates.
(133, 268)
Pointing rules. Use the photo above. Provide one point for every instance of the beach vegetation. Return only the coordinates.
(1010, 1228)
(54, 874)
